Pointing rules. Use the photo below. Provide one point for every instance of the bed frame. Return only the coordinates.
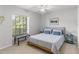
(44, 48)
(40, 47)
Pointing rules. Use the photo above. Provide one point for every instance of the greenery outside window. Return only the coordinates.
(19, 25)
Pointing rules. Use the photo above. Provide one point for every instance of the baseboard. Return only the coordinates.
(5, 46)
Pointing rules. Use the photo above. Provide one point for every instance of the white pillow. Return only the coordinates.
(47, 30)
(57, 30)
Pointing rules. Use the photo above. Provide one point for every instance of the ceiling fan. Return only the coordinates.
(44, 8)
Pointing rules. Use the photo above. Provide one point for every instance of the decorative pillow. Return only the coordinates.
(47, 31)
(57, 32)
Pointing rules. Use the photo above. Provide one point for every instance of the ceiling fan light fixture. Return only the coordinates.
(42, 10)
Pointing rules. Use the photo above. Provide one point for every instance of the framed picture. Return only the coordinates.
(54, 21)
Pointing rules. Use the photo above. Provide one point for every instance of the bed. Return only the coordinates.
(48, 42)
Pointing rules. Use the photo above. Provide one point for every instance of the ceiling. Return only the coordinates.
(48, 8)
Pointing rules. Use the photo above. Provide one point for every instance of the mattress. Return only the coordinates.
(47, 40)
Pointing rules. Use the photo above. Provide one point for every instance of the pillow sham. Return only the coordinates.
(57, 32)
(47, 31)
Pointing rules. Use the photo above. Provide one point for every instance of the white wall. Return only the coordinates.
(67, 19)
(6, 27)
(78, 26)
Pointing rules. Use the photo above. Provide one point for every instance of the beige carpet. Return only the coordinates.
(69, 49)
(26, 49)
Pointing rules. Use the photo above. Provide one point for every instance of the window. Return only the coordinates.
(19, 25)
(28, 25)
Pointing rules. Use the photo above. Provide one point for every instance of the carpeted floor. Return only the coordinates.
(26, 49)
